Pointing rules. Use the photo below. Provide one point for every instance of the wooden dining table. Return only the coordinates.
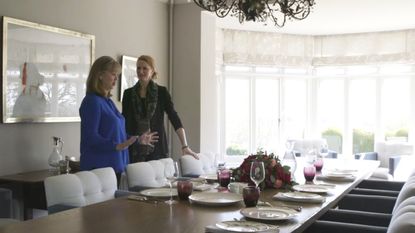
(124, 215)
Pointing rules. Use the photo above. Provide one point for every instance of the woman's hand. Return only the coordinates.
(126, 144)
(187, 151)
(148, 138)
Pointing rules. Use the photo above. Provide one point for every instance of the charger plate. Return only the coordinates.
(301, 196)
(268, 213)
(311, 188)
(245, 226)
(215, 199)
(159, 192)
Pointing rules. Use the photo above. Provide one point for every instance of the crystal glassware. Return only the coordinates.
(251, 196)
(289, 158)
(171, 176)
(309, 172)
(224, 177)
(257, 172)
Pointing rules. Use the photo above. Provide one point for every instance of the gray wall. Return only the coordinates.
(123, 27)
(186, 72)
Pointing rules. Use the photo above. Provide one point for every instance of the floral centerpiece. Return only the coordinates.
(276, 175)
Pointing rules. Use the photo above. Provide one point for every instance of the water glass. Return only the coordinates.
(184, 189)
(224, 177)
(251, 196)
(318, 163)
(309, 173)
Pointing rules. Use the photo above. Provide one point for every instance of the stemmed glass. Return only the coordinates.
(171, 176)
(289, 158)
(257, 173)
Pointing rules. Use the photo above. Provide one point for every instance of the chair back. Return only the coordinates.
(148, 174)
(82, 188)
(192, 167)
(407, 191)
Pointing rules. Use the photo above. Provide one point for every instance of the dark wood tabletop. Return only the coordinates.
(27, 177)
(124, 215)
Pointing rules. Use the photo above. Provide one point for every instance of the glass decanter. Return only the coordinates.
(289, 158)
(55, 157)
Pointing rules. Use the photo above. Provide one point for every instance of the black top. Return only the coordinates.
(164, 105)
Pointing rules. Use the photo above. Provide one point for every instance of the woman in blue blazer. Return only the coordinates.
(104, 141)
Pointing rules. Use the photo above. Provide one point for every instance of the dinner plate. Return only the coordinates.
(268, 213)
(215, 199)
(159, 192)
(311, 188)
(212, 177)
(301, 195)
(338, 174)
(339, 178)
(244, 226)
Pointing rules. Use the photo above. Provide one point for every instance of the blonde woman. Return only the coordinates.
(143, 107)
(104, 141)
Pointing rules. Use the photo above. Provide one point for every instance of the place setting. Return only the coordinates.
(337, 175)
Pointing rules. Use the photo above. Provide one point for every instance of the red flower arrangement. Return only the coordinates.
(276, 175)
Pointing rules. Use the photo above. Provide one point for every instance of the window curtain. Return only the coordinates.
(262, 48)
(266, 48)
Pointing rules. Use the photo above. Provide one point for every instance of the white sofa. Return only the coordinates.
(149, 174)
(389, 155)
(80, 189)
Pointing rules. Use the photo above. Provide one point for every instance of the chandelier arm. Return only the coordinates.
(259, 10)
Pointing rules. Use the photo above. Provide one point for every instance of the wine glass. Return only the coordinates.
(257, 173)
(171, 176)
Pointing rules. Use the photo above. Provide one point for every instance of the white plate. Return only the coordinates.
(338, 174)
(159, 192)
(301, 196)
(340, 178)
(268, 213)
(311, 188)
(213, 177)
(244, 226)
(215, 199)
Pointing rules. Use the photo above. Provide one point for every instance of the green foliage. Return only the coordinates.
(363, 141)
(235, 150)
(332, 132)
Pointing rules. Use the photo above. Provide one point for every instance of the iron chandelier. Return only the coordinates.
(259, 10)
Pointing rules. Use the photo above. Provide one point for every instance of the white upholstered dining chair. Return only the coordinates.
(80, 189)
(149, 174)
(192, 167)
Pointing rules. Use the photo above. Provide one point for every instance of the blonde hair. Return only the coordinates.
(102, 64)
(151, 62)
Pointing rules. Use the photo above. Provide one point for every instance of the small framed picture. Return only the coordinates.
(128, 73)
(44, 72)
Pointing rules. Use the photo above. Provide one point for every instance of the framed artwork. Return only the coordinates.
(128, 73)
(44, 72)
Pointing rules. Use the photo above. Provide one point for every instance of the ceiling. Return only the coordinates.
(339, 17)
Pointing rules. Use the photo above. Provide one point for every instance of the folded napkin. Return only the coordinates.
(338, 179)
(282, 197)
(215, 229)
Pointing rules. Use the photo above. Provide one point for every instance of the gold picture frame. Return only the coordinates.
(44, 71)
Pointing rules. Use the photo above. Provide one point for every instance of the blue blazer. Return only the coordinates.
(102, 128)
